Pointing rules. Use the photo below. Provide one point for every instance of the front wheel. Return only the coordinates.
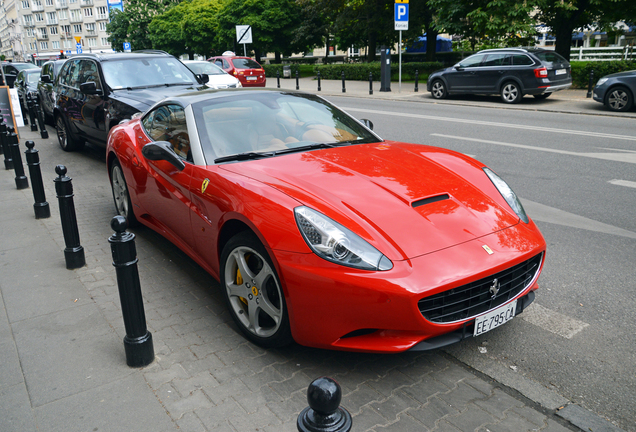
(619, 99)
(67, 141)
(511, 93)
(123, 205)
(438, 90)
(253, 292)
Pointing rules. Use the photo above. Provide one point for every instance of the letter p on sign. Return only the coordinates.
(401, 16)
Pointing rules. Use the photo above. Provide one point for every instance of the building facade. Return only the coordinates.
(51, 26)
(9, 29)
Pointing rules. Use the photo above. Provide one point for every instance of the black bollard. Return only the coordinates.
(318, 74)
(74, 252)
(40, 115)
(8, 159)
(417, 77)
(138, 340)
(344, 90)
(41, 207)
(590, 84)
(324, 413)
(370, 83)
(297, 85)
(21, 181)
(277, 79)
(31, 111)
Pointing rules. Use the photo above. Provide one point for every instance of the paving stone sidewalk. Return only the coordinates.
(62, 363)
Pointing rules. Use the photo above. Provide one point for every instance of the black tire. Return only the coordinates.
(619, 99)
(511, 92)
(542, 96)
(438, 89)
(123, 204)
(64, 136)
(260, 312)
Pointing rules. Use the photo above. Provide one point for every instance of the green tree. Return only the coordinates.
(166, 33)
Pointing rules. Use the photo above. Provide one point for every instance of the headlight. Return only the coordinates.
(335, 243)
(601, 81)
(238, 84)
(508, 194)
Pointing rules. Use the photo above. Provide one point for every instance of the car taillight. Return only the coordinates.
(541, 72)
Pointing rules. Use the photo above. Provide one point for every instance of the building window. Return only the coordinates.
(51, 18)
(105, 41)
(25, 4)
(49, 2)
(28, 20)
(66, 29)
(77, 28)
(88, 12)
(55, 44)
(102, 26)
(39, 17)
(44, 45)
(102, 12)
(63, 14)
(91, 42)
(29, 32)
(76, 15)
(42, 32)
(53, 30)
(68, 43)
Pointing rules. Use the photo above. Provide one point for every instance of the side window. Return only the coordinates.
(71, 74)
(88, 73)
(226, 64)
(497, 60)
(521, 60)
(472, 61)
(168, 123)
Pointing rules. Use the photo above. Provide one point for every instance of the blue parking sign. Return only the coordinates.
(401, 16)
(127, 47)
(78, 48)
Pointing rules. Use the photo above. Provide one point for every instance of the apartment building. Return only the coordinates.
(51, 26)
(9, 29)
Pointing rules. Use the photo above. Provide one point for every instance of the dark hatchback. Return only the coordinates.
(46, 91)
(616, 91)
(510, 72)
(94, 92)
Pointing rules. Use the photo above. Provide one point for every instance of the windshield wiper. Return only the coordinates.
(311, 147)
(254, 155)
(243, 156)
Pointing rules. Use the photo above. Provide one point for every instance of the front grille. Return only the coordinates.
(475, 298)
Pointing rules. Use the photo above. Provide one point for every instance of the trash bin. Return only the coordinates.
(286, 71)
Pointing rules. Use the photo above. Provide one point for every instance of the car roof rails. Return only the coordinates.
(151, 51)
(502, 49)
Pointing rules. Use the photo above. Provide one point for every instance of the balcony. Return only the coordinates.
(76, 19)
(42, 37)
(86, 3)
(37, 8)
(29, 24)
(102, 17)
(91, 33)
(63, 4)
(51, 22)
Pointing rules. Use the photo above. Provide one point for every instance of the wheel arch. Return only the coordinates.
(618, 84)
(510, 78)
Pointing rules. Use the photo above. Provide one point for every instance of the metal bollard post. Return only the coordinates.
(31, 110)
(41, 207)
(324, 413)
(8, 159)
(370, 83)
(277, 79)
(344, 90)
(21, 181)
(297, 85)
(138, 340)
(417, 77)
(590, 85)
(40, 114)
(318, 74)
(74, 252)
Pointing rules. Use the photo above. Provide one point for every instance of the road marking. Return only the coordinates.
(626, 183)
(487, 123)
(552, 321)
(626, 156)
(543, 213)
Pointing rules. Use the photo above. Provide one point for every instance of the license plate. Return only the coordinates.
(560, 72)
(495, 318)
(251, 78)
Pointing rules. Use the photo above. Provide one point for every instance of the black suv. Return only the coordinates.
(94, 92)
(11, 71)
(509, 72)
(46, 92)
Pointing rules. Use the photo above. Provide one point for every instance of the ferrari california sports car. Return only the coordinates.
(321, 232)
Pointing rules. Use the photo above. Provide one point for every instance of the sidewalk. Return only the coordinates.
(62, 362)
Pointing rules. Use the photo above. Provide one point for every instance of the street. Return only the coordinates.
(575, 176)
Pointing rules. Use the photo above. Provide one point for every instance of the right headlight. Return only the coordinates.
(508, 194)
(601, 81)
(333, 242)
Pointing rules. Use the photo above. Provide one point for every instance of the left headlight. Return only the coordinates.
(601, 81)
(333, 242)
(508, 194)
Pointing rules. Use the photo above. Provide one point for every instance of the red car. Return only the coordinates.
(321, 232)
(247, 70)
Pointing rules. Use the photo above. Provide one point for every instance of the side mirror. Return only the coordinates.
(90, 88)
(46, 79)
(367, 123)
(458, 67)
(204, 78)
(162, 150)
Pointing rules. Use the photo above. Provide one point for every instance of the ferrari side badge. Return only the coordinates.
(204, 185)
(487, 249)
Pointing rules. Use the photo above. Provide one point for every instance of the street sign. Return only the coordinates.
(244, 34)
(401, 15)
(77, 39)
(78, 48)
(127, 47)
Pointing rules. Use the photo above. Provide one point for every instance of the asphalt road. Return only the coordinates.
(577, 179)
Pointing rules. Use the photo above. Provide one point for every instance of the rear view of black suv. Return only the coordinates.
(94, 92)
(509, 72)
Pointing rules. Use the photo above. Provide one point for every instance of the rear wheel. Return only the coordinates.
(542, 96)
(619, 99)
(438, 90)
(123, 205)
(253, 292)
(67, 141)
(511, 93)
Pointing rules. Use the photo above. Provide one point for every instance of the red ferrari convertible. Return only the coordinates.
(321, 232)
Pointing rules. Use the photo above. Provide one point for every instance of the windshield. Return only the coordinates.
(33, 77)
(22, 66)
(146, 72)
(264, 123)
(245, 63)
(205, 68)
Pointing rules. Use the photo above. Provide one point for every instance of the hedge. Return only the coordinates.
(360, 71)
(581, 70)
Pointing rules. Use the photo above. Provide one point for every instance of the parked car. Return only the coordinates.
(46, 89)
(218, 78)
(292, 205)
(94, 92)
(509, 72)
(616, 91)
(11, 71)
(247, 70)
(26, 83)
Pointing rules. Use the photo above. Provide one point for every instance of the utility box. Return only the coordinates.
(385, 69)
(286, 71)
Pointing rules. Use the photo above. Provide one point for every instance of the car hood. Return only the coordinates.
(405, 199)
(621, 74)
(143, 98)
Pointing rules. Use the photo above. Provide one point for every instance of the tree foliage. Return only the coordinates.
(131, 25)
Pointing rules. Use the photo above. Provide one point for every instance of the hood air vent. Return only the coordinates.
(430, 200)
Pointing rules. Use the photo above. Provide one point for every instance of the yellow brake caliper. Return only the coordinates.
(239, 281)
